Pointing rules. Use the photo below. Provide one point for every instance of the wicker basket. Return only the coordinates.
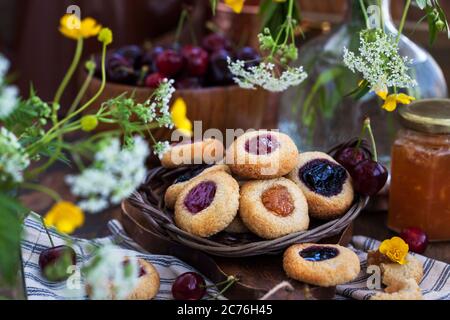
(149, 200)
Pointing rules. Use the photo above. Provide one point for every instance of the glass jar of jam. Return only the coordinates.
(420, 171)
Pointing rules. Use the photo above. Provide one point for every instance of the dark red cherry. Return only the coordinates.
(189, 286)
(132, 53)
(200, 197)
(416, 239)
(169, 62)
(349, 157)
(369, 177)
(218, 71)
(249, 55)
(214, 42)
(154, 80)
(196, 60)
(54, 262)
(119, 69)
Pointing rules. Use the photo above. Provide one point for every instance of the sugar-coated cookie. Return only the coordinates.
(326, 184)
(262, 155)
(273, 208)
(237, 226)
(406, 290)
(171, 195)
(208, 204)
(324, 265)
(148, 284)
(206, 151)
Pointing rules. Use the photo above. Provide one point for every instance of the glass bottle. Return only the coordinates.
(319, 115)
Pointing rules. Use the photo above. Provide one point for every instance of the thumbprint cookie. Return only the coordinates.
(262, 155)
(148, 284)
(208, 204)
(324, 265)
(326, 184)
(196, 152)
(273, 208)
(171, 195)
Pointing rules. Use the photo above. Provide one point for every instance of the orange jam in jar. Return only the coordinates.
(420, 171)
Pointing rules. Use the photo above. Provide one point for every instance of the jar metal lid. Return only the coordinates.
(428, 115)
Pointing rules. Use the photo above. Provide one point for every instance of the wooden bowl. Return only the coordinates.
(227, 107)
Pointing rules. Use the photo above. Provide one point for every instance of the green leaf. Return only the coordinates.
(11, 215)
(421, 4)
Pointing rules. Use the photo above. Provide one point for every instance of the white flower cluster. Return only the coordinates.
(8, 94)
(111, 274)
(263, 75)
(158, 105)
(114, 175)
(160, 148)
(379, 61)
(13, 159)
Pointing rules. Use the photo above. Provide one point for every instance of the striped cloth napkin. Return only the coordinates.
(435, 283)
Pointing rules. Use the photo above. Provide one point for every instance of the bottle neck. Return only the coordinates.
(355, 14)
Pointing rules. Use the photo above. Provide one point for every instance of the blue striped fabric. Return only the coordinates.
(435, 283)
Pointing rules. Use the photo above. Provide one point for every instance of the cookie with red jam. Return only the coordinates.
(262, 155)
(196, 152)
(273, 208)
(208, 204)
(148, 284)
(326, 184)
(324, 265)
(171, 195)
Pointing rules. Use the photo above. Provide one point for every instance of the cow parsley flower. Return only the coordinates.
(114, 175)
(160, 148)
(379, 61)
(13, 159)
(8, 94)
(263, 75)
(111, 274)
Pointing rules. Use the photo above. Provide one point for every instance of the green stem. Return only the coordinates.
(47, 232)
(183, 17)
(40, 188)
(62, 87)
(230, 281)
(363, 129)
(380, 5)
(364, 11)
(290, 9)
(402, 22)
(372, 139)
(82, 92)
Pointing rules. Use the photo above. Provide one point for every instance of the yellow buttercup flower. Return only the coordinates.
(391, 101)
(65, 217)
(395, 249)
(179, 118)
(74, 28)
(235, 5)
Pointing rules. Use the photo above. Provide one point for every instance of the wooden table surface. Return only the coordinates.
(369, 223)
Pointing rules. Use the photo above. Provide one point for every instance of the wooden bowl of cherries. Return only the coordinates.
(201, 77)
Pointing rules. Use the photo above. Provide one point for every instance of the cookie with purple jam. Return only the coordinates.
(324, 265)
(262, 155)
(273, 208)
(195, 152)
(171, 195)
(326, 184)
(208, 204)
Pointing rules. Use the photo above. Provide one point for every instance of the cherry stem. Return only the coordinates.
(230, 281)
(183, 17)
(372, 139)
(48, 233)
(363, 129)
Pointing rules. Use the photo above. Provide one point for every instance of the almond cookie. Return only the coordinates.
(273, 208)
(262, 155)
(324, 265)
(407, 290)
(394, 274)
(197, 152)
(171, 195)
(326, 184)
(148, 284)
(208, 204)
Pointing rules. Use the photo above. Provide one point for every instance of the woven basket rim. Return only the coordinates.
(149, 200)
